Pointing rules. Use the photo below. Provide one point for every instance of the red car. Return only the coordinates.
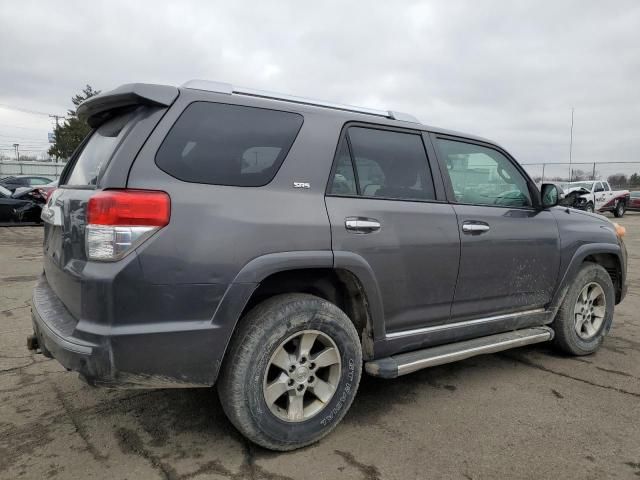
(634, 201)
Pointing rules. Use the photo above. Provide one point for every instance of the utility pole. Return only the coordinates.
(17, 147)
(571, 144)
(57, 118)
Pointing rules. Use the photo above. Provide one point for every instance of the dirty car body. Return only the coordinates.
(152, 258)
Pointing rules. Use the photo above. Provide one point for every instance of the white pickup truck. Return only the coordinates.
(597, 196)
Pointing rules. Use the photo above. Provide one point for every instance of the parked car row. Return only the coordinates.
(22, 197)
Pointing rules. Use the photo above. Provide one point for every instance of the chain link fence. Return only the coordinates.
(620, 175)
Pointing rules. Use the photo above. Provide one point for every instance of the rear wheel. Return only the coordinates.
(291, 372)
(586, 312)
(619, 209)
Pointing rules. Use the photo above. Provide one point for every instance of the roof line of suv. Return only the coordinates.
(222, 87)
(388, 115)
(95, 110)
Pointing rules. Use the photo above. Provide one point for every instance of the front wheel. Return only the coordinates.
(589, 207)
(291, 372)
(619, 209)
(586, 313)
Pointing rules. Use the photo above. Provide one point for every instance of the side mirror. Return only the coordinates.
(550, 195)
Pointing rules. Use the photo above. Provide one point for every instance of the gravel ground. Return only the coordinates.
(527, 413)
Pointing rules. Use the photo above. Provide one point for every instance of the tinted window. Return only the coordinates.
(344, 182)
(483, 176)
(388, 165)
(39, 181)
(98, 151)
(228, 144)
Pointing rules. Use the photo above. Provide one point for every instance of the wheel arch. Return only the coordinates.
(610, 256)
(342, 278)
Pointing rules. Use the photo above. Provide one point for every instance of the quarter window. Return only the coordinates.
(388, 164)
(222, 144)
(483, 176)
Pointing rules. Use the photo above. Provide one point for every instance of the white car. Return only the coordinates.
(598, 197)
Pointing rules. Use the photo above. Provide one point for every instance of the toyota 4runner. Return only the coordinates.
(277, 246)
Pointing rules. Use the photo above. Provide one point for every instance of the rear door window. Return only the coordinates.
(221, 144)
(388, 164)
(98, 151)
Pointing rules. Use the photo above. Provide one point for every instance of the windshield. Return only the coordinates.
(586, 185)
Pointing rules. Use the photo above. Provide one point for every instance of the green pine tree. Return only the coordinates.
(70, 133)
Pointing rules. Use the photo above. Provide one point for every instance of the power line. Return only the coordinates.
(9, 138)
(14, 136)
(21, 128)
(26, 110)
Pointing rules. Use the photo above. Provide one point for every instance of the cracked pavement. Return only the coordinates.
(526, 413)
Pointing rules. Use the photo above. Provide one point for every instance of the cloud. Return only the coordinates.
(510, 71)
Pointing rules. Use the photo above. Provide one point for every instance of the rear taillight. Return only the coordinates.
(118, 221)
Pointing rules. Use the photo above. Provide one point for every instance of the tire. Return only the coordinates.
(249, 368)
(619, 209)
(589, 207)
(566, 324)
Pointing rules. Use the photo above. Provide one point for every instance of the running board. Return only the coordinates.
(401, 364)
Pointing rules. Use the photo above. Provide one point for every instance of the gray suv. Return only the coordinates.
(275, 246)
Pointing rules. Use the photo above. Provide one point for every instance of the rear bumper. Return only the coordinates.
(174, 354)
(53, 325)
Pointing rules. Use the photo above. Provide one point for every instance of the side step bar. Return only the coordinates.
(401, 364)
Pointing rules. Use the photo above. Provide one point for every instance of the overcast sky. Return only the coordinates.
(510, 71)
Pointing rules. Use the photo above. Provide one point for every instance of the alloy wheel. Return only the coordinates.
(302, 376)
(589, 311)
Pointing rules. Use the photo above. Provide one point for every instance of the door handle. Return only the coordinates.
(475, 228)
(361, 224)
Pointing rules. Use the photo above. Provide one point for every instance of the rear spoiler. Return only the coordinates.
(95, 110)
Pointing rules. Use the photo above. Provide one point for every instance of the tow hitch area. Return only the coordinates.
(32, 342)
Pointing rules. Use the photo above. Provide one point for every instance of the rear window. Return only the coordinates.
(98, 151)
(222, 144)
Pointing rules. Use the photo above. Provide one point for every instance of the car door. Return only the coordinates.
(599, 195)
(509, 256)
(385, 209)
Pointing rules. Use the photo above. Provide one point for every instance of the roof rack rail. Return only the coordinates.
(227, 88)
